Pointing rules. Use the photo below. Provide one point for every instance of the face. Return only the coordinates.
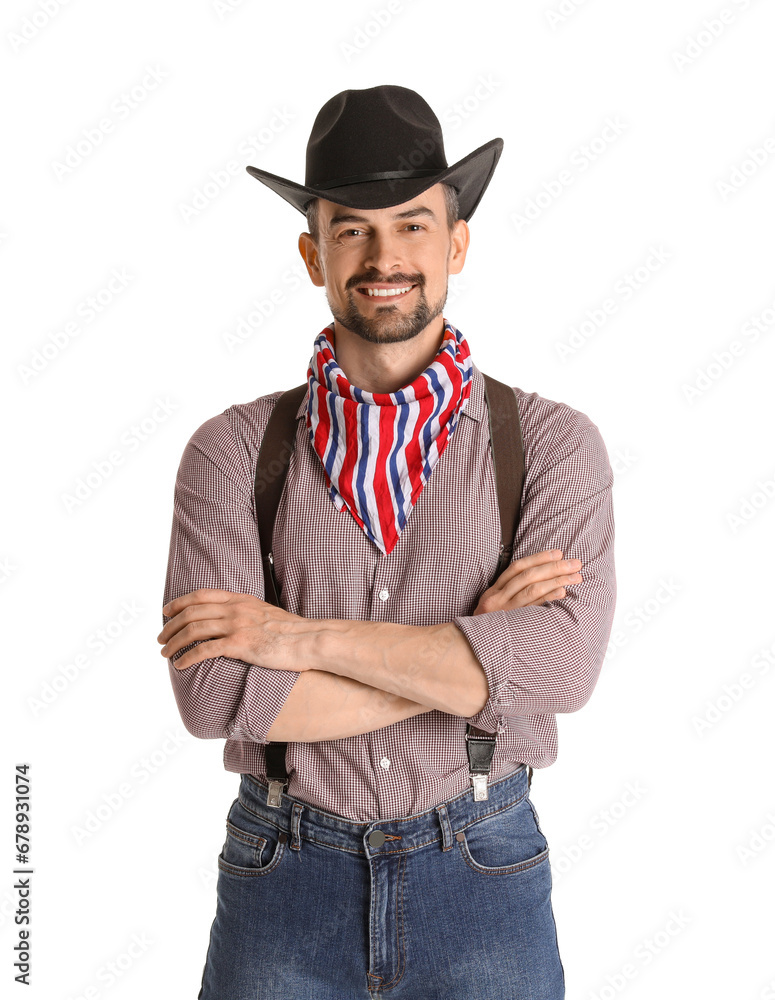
(385, 271)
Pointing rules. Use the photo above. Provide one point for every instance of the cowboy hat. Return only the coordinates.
(381, 147)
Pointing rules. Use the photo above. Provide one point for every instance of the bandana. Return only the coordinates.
(378, 449)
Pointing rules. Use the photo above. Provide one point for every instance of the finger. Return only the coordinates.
(193, 632)
(554, 595)
(548, 570)
(537, 593)
(553, 573)
(199, 596)
(536, 566)
(204, 651)
(191, 613)
(536, 559)
(525, 563)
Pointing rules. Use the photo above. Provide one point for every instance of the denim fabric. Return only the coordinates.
(454, 903)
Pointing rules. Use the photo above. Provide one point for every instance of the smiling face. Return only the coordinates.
(385, 270)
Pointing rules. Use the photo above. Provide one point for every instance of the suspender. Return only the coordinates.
(271, 469)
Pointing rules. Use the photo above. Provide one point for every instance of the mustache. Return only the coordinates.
(393, 279)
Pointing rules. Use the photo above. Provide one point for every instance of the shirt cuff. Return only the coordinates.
(262, 703)
(485, 634)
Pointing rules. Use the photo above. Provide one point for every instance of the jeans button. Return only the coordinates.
(376, 838)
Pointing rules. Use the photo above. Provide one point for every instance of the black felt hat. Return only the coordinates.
(381, 147)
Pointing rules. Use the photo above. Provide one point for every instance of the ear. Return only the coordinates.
(311, 257)
(460, 237)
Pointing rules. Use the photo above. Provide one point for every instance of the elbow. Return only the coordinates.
(202, 729)
(582, 677)
(199, 713)
(585, 651)
(201, 725)
(577, 696)
(567, 688)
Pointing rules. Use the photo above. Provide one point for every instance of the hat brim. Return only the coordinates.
(469, 176)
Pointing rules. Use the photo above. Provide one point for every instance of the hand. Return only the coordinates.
(532, 580)
(236, 625)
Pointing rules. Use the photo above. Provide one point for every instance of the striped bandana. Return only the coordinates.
(379, 449)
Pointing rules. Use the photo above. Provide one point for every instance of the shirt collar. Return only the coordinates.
(474, 408)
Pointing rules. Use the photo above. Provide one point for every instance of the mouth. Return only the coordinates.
(384, 291)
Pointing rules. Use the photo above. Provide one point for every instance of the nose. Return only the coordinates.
(383, 253)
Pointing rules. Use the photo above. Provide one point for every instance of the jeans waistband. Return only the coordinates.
(439, 823)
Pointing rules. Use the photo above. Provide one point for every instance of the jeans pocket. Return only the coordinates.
(508, 842)
(252, 846)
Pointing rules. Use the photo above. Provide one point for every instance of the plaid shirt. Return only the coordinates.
(538, 660)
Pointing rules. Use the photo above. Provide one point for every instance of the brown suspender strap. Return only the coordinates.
(274, 456)
(508, 458)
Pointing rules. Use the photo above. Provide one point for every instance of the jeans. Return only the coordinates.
(452, 903)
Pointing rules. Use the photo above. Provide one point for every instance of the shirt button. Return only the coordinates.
(384, 763)
(383, 595)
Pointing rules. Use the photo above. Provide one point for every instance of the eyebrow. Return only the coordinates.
(409, 213)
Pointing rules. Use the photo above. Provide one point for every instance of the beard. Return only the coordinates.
(390, 325)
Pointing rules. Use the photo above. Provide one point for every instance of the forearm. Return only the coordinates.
(326, 706)
(431, 665)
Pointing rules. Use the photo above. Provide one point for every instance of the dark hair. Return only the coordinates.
(450, 198)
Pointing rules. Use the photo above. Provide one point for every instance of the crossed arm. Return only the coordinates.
(410, 669)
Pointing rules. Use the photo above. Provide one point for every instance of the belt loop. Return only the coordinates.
(296, 811)
(446, 826)
(529, 775)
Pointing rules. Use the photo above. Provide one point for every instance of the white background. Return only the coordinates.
(661, 828)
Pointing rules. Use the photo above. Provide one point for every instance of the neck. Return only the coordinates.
(386, 367)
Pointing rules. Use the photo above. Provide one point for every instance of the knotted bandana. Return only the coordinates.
(378, 449)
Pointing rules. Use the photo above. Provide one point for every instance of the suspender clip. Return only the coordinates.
(479, 781)
(480, 746)
(275, 794)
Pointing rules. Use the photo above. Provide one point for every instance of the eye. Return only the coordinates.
(414, 225)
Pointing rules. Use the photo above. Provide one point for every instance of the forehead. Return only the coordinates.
(430, 201)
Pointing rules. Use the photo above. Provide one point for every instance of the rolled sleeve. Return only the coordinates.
(214, 543)
(547, 659)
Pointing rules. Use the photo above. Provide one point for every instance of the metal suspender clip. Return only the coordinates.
(276, 774)
(480, 746)
(275, 794)
(479, 781)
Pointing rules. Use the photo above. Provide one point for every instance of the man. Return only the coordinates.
(378, 869)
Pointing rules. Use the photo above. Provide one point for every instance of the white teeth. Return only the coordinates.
(388, 291)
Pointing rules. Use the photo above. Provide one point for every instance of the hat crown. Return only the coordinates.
(359, 133)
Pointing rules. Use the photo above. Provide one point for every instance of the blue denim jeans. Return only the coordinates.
(452, 903)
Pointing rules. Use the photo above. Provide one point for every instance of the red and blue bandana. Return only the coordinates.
(378, 449)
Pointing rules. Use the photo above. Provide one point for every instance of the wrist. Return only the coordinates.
(309, 643)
